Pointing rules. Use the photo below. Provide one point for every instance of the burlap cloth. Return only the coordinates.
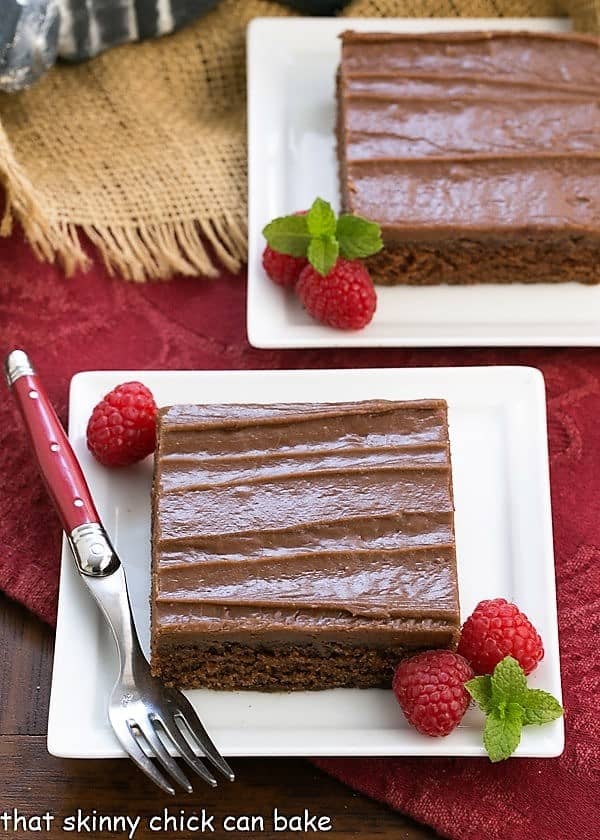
(144, 150)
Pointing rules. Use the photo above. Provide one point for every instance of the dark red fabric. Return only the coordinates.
(93, 321)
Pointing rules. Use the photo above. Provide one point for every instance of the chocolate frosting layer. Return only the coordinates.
(297, 522)
(489, 134)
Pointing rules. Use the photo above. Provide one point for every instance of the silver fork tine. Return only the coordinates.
(172, 732)
(131, 746)
(160, 753)
(200, 736)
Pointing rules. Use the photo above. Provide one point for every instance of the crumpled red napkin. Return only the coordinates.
(93, 322)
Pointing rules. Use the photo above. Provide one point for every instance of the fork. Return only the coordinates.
(149, 719)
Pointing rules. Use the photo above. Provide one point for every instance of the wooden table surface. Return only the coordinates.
(35, 783)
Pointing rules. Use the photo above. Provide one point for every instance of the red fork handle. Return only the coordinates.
(57, 462)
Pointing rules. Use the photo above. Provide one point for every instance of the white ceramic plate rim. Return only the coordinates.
(284, 174)
(81, 677)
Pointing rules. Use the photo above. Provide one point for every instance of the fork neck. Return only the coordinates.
(110, 593)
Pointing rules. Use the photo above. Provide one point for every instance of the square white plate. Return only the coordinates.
(504, 545)
(292, 159)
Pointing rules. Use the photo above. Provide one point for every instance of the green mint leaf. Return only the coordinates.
(508, 683)
(502, 731)
(358, 237)
(288, 235)
(539, 707)
(321, 219)
(320, 237)
(509, 705)
(480, 689)
(323, 253)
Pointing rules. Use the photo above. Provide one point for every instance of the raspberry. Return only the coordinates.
(497, 629)
(281, 268)
(430, 688)
(344, 298)
(122, 428)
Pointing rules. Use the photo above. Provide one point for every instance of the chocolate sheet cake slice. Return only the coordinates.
(301, 546)
(477, 152)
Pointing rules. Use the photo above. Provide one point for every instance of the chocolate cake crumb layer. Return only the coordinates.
(232, 666)
(301, 546)
(478, 153)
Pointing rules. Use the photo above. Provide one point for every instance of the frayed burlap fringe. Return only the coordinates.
(156, 252)
(138, 253)
(143, 149)
(21, 201)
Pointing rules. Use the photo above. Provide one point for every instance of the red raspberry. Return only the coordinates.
(344, 298)
(430, 688)
(497, 629)
(122, 428)
(281, 268)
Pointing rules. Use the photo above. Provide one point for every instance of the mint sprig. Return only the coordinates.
(509, 705)
(322, 237)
